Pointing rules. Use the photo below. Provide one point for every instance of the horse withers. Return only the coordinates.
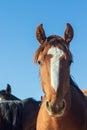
(64, 106)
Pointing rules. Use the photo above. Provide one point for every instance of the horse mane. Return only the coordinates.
(8, 97)
(72, 82)
(11, 115)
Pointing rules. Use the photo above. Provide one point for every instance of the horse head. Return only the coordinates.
(54, 58)
(6, 94)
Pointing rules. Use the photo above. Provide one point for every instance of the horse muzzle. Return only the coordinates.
(56, 110)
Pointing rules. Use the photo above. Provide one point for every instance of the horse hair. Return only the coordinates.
(76, 86)
(8, 97)
(11, 115)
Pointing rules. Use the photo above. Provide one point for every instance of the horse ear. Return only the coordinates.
(68, 34)
(40, 34)
(8, 89)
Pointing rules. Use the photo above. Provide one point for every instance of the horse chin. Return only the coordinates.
(56, 111)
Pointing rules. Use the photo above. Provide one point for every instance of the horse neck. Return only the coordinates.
(77, 97)
(78, 109)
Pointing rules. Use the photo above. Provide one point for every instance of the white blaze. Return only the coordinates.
(55, 65)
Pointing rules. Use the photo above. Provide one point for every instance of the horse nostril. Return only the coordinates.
(63, 104)
(47, 104)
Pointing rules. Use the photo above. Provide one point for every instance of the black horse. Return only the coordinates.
(16, 114)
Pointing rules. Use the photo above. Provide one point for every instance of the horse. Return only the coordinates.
(85, 92)
(64, 106)
(17, 114)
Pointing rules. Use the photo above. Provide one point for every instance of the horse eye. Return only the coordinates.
(39, 62)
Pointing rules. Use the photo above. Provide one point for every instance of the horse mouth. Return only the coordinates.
(57, 110)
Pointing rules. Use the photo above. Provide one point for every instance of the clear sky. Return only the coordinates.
(18, 22)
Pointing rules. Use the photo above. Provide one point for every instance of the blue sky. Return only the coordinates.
(18, 22)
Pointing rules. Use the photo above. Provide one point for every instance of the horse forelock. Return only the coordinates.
(59, 41)
(55, 41)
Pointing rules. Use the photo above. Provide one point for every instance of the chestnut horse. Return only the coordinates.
(16, 114)
(85, 92)
(64, 106)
